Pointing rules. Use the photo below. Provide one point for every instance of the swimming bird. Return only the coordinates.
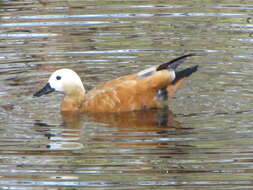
(147, 89)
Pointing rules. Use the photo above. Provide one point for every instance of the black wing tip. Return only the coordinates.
(193, 68)
(186, 72)
(190, 70)
(190, 54)
(174, 63)
(184, 56)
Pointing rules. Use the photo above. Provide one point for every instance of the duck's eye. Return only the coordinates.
(58, 78)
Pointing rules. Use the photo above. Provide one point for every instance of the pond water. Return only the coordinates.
(204, 141)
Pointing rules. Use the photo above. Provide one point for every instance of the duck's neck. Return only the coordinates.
(73, 101)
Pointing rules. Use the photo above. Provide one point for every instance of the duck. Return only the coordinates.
(150, 88)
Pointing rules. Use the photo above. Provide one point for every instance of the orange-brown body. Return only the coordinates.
(127, 93)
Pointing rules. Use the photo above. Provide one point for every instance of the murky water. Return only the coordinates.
(204, 142)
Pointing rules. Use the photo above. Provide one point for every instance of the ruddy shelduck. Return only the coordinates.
(147, 89)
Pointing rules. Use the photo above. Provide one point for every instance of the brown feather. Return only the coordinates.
(127, 93)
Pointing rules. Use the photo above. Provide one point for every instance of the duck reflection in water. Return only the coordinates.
(154, 119)
(140, 121)
(146, 128)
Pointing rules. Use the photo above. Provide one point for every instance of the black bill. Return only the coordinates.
(45, 90)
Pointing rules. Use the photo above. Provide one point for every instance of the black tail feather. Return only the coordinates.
(185, 73)
(174, 63)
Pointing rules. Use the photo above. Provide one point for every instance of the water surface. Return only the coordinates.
(204, 141)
